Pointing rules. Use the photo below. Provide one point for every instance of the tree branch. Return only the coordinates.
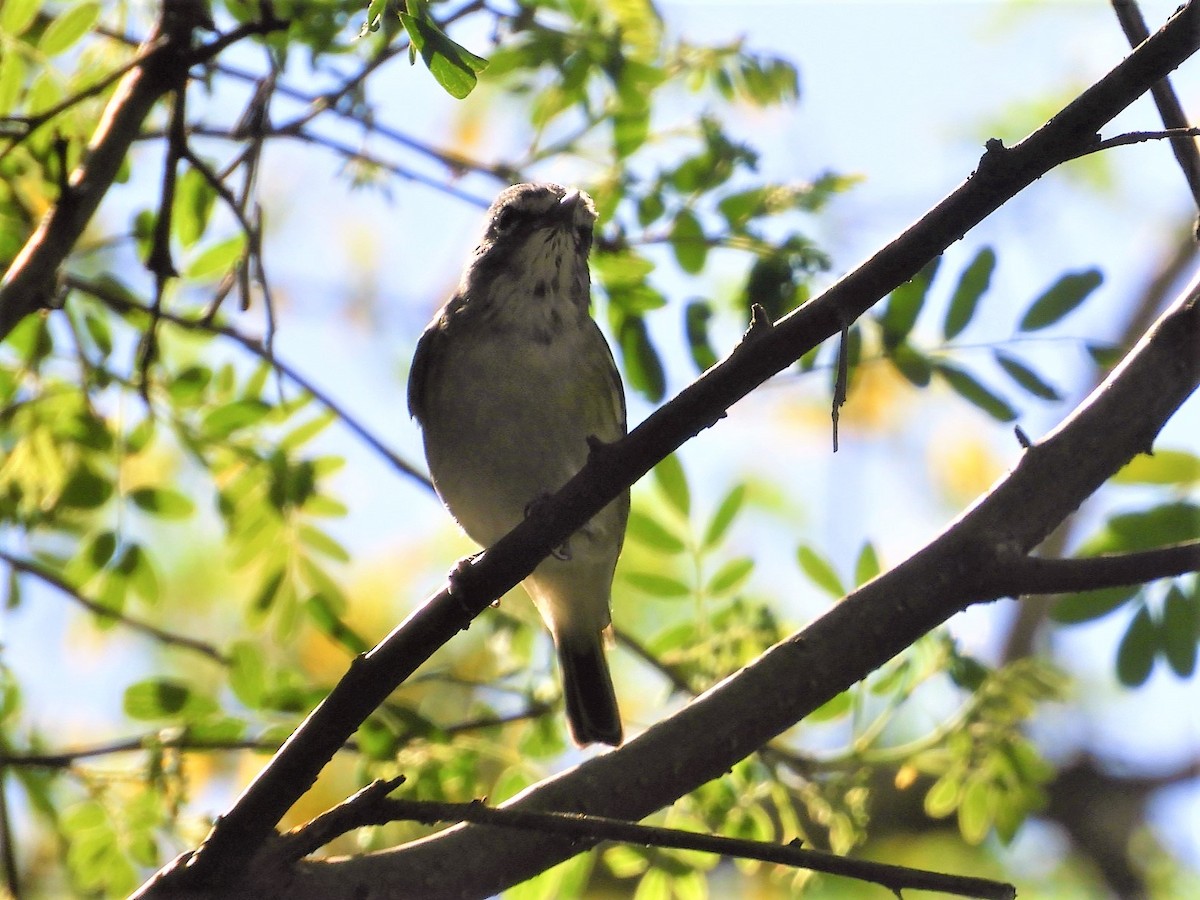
(372, 806)
(966, 564)
(1187, 154)
(700, 743)
(167, 638)
(1140, 137)
(115, 300)
(1034, 575)
(29, 283)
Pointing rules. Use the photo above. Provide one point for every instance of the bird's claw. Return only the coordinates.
(455, 586)
(563, 550)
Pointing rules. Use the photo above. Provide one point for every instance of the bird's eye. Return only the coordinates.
(506, 219)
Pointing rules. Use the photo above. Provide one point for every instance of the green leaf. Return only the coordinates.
(835, 708)
(820, 571)
(375, 740)
(971, 390)
(621, 268)
(85, 489)
(194, 199)
(695, 323)
(912, 364)
(323, 543)
(642, 365)
(253, 388)
(1179, 631)
(942, 799)
(453, 66)
(688, 242)
(1026, 377)
(1161, 467)
(16, 16)
(216, 259)
(904, 305)
(1105, 357)
(658, 585)
(1061, 298)
(1088, 605)
(326, 619)
(971, 286)
(101, 550)
(189, 385)
(375, 12)
(247, 673)
(10, 691)
(672, 481)
(967, 672)
(268, 590)
(974, 815)
(772, 285)
(12, 76)
(727, 511)
(156, 698)
(739, 208)
(730, 577)
(166, 503)
(98, 330)
(320, 505)
(1168, 523)
(631, 127)
(30, 340)
(84, 816)
(322, 582)
(1135, 655)
(867, 566)
(46, 92)
(68, 28)
(306, 431)
(649, 208)
(225, 420)
(140, 570)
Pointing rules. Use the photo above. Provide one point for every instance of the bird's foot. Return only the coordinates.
(457, 577)
(563, 550)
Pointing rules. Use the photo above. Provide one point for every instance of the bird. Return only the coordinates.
(512, 383)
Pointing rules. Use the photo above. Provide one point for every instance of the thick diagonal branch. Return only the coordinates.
(795, 677)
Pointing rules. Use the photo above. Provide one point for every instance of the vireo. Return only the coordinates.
(509, 381)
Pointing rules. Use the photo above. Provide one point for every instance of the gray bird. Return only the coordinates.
(509, 381)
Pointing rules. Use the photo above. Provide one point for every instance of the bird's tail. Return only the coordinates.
(592, 712)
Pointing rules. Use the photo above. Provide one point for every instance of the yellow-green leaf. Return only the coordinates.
(17, 15)
(820, 571)
(68, 28)
(672, 480)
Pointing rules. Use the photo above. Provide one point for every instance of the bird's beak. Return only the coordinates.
(574, 210)
(567, 206)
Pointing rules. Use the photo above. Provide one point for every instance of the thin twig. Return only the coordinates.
(371, 806)
(33, 123)
(179, 740)
(1140, 137)
(159, 261)
(1035, 575)
(116, 301)
(29, 283)
(1187, 154)
(65, 759)
(28, 567)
